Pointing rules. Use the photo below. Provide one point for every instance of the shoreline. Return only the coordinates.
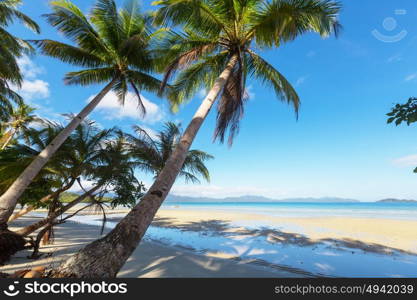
(293, 247)
(151, 259)
(396, 234)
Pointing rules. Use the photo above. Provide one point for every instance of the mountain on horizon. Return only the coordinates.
(394, 200)
(249, 198)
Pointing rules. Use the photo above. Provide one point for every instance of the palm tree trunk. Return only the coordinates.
(9, 139)
(45, 199)
(48, 235)
(9, 199)
(33, 227)
(104, 258)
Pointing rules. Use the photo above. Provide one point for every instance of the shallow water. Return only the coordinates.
(326, 258)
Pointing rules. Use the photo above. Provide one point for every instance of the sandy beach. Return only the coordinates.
(150, 260)
(374, 233)
(185, 242)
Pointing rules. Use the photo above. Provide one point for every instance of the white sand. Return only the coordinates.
(149, 259)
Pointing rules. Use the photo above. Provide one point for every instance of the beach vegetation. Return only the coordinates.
(113, 48)
(218, 50)
(11, 49)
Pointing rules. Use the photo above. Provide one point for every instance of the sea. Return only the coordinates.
(398, 211)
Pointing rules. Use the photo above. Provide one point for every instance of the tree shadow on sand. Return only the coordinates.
(274, 236)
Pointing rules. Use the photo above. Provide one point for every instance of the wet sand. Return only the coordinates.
(148, 260)
(371, 234)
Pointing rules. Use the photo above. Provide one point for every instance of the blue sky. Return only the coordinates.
(340, 146)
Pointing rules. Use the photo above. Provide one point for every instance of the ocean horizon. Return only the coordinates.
(401, 211)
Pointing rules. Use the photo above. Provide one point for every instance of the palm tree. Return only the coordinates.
(77, 158)
(11, 47)
(219, 39)
(152, 153)
(14, 159)
(112, 46)
(114, 172)
(18, 122)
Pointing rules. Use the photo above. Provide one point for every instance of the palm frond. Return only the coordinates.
(105, 17)
(90, 76)
(71, 22)
(68, 53)
(269, 76)
(231, 105)
(9, 12)
(281, 21)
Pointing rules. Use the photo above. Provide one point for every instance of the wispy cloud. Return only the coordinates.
(406, 161)
(202, 93)
(29, 69)
(32, 87)
(411, 77)
(395, 58)
(85, 186)
(301, 80)
(152, 133)
(112, 109)
(251, 93)
(208, 190)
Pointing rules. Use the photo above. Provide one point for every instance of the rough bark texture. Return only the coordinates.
(9, 199)
(10, 243)
(45, 199)
(33, 227)
(104, 258)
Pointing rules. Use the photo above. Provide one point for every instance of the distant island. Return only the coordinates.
(69, 196)
(175, 198)
(393, 200)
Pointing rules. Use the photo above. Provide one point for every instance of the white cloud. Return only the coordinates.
(395, 58)
(202, 93)
(86, 184)
(28, 68)
(34, 89)
(152, 133)
(301, 80)
(411, 77)
(221, 192)
(250, 92)
(112, 109)
(406, 161)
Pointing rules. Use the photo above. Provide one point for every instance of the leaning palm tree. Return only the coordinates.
(20, 117)
(114, 172)
(152, 153)
(11, 48)
(112, 47)
(76, 159)
(217, 51)
(14, 159)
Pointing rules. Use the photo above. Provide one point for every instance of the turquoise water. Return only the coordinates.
(401, 211)
(325, 258)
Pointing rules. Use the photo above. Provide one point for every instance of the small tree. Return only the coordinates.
(404, 113)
